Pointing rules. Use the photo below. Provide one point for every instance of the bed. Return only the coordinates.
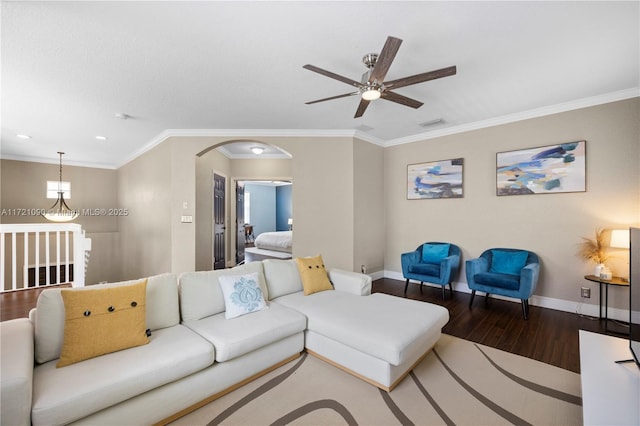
(276, 241)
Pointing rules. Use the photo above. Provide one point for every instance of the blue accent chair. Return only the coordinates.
(432, 262)
(504, 271)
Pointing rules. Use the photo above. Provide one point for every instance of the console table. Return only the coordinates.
(613, 281)
(610, 391)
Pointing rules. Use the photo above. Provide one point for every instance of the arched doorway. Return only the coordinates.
(220, 235)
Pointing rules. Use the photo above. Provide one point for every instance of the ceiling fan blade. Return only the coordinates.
(332, 97)
(400, 99)
(332, 75)
(385, 59)
(361, 108)
(419, 78)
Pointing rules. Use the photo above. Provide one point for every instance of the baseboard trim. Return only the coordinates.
(580, 308)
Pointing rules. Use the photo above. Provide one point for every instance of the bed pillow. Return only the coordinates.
(313, 275)
(101, 321)
(242, 294)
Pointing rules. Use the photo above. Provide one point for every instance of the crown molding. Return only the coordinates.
(251, 133)
(319, 133)
(525, 115)
(350, 133)
(65, 163)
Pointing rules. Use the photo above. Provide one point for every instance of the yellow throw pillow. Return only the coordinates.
(101, 321)
(313, 275)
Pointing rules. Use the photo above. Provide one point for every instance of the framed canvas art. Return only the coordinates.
(438, 179)
(544, 170)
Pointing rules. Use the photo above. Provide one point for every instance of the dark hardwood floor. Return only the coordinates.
(548, 335)
(17, 304)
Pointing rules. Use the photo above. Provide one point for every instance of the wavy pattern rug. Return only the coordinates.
(458, 383)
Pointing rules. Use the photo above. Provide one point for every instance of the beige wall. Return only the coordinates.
(368, 223)
(23, 186)
(551, 225)
(145, 188)
(322, 169)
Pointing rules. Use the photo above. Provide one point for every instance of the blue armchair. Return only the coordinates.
(504, 271)
(432, 262)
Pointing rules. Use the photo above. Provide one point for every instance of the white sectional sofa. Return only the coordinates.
(195, 354)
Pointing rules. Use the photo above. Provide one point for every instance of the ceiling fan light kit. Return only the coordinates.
(371, 93)
(372, 85)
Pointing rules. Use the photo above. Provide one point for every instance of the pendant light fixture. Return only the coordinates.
(60, 211)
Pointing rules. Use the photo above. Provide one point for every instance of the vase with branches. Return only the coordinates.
(593, 250)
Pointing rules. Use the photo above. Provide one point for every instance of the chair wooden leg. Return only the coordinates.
(473, 294)
(443, 292)
(451, 289)
(420, 287)
(525, 308)
(405, 286)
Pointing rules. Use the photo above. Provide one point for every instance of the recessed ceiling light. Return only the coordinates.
(101, 138)
(257, 150)
(122, 116)
(23, 136)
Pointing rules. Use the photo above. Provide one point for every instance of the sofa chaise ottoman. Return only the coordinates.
(377, 337)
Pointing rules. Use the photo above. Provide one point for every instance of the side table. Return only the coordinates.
(613, 281)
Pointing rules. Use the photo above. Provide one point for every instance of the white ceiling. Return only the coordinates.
(212, 67)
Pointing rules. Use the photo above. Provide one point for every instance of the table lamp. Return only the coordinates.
(620, 239)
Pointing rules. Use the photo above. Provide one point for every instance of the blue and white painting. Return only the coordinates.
(438, 179)
(543, 170)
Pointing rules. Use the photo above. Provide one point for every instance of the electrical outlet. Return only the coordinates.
(585, 292)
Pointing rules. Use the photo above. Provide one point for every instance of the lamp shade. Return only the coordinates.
(619, 238)
(60, 211)
(290, 221)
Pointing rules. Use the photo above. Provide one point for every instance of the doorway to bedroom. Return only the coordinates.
(220, 237)
(267, 218)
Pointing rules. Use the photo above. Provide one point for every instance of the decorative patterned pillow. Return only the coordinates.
(101, 321)
(313, 275)
(242, 294)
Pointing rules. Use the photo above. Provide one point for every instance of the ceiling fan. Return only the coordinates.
(372, 85)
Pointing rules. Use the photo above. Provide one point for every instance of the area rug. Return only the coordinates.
(457, 383)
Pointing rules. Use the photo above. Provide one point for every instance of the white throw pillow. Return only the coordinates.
(242, 294)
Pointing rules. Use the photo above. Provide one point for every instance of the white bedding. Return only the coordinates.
(278, 241)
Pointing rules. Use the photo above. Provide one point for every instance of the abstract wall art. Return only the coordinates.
(438, 179)
(544, 170)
